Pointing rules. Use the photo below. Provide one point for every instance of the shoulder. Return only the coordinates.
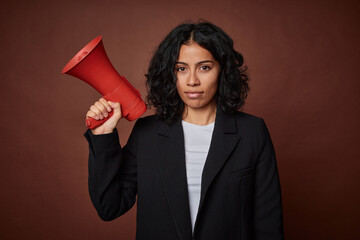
(251, 125)
(249, 120)
(246, 116)
(147, 123)
(143, 131)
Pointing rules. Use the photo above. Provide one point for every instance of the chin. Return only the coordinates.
(197, 106)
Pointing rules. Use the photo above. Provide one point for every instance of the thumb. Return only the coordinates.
(116, 107)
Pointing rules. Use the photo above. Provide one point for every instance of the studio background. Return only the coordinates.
(303, 59)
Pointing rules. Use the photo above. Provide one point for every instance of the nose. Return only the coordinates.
(193, 80)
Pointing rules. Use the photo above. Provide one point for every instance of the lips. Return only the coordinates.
(193, 95)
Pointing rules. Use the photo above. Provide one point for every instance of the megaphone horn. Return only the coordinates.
(92, 65)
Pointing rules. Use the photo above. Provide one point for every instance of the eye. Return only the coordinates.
(180, 69)
(205, 68)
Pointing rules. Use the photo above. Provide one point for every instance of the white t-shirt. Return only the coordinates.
(197, 143)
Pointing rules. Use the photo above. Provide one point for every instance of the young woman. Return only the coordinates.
(200, 168)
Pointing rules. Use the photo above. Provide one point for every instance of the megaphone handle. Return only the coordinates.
(93, 123)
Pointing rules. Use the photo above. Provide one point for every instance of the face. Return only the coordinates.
(197, 75)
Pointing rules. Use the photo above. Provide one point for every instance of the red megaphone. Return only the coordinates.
(92, 65)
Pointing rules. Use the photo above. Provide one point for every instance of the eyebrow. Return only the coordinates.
(201, 62)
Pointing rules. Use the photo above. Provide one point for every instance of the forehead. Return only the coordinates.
(193, 52)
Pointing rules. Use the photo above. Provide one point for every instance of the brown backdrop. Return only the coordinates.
(303, 58)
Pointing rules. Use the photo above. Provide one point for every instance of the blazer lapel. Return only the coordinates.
(173, 169)
(224, 139)
(173, 172)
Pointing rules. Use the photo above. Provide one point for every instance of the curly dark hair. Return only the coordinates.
(161, 79)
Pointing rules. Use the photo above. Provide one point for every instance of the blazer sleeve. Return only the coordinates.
(268, 219)
(112, 173)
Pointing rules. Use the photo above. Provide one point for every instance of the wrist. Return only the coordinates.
(101, 131)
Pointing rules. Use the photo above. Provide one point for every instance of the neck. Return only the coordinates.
(201, 116)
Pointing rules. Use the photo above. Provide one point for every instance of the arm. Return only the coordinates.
(268, 221)
(112, 170)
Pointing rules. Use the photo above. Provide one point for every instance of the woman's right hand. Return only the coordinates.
(101, 110)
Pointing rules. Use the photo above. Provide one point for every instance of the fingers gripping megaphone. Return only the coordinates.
(92, 65)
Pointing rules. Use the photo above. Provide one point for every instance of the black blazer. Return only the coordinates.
(240, 190)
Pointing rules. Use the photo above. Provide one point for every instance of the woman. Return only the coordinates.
(200, 168)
